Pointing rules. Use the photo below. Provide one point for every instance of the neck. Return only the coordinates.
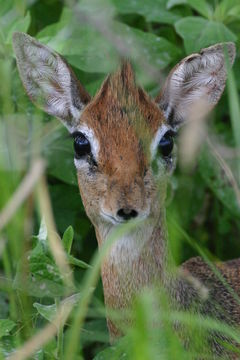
(135, 261)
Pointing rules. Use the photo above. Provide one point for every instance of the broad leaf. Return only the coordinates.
(95, 331)
(198, 33)
(58, 150)
(6, 326)
(202, 7)
(119, 351)
(227, 11)
(37, 273)
(87, 49)
(21, 24)
(216, 179)
(152, 10)
(11, 19)
(48, 312)
(172, 3)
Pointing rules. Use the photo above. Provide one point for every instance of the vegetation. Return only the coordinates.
(48, 309)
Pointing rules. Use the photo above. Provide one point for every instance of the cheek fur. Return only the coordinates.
(91, 190)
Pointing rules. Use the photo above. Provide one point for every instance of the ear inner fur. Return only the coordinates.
(199, 77)
(49, 81)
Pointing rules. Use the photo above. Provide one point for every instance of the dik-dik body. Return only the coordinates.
(124, 154)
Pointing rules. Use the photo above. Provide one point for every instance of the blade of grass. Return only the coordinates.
(234, 108)
(54, 240)
(23, 191)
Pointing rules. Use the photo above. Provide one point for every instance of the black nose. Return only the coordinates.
(127, 214)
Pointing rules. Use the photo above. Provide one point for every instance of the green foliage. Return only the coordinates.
(43, 278)
(68, 239)
(204, 203)
(218, 182)
(12, 18)
(90, 51)
(152, 11)
(207, 32)
(6, 326)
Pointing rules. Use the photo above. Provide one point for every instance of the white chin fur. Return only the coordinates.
(128, 245)
(81, 164)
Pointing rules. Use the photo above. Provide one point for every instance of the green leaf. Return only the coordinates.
(42, 279)
(172, 3)
(152, 10)
(4, 306)
(198, 32)
(21, 24)
(37, 274)
(68, 209)
(93, 86)
(216, 179)
(58, 150)
(117, 352)
(82, 264)
(48, 312)
(68, 239)
(202, 7)
(84, 47)
(158, 51)
(6, 326)
(11, 19)
(88, 50)
(95, 331)
(227, 11)
(110, 353)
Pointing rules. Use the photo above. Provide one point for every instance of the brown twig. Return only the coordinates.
(23, 191)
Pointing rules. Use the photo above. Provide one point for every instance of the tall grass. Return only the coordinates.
(51, 302)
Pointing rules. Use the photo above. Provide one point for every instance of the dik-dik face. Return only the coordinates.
(123, 139)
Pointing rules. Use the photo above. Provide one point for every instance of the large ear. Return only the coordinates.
(197, 78)
(49, 81)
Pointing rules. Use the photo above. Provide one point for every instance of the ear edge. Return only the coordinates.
(230, 47)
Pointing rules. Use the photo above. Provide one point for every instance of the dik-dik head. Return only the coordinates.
(123, 139)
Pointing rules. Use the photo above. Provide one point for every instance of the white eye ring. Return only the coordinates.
(159, 134)
(89, 134)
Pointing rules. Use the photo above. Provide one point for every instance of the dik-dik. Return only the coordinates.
(124, 154)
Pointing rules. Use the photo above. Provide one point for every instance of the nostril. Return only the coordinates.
(127, 213)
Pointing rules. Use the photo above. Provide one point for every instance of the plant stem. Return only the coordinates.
(59, 336)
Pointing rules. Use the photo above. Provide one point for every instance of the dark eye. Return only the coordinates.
(81, 145)
(166, 143)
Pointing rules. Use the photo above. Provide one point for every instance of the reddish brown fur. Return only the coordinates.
(121, 114)
(124, 119)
